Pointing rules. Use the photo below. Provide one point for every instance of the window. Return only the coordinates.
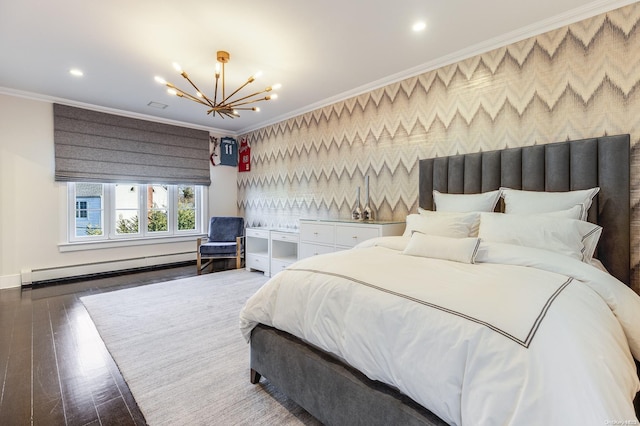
(127, 209)
(81, 209)
(133, 211)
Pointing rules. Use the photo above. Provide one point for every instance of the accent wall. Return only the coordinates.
(579, 81)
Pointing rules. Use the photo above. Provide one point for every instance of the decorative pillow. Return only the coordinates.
(531, 202)
(444, 224)
(462, 250)
(462, 203)
(575, 238)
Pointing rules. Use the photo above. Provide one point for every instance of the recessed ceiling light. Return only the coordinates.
(419, 26)
(76, 72)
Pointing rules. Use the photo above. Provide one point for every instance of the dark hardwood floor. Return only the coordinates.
(54, 367)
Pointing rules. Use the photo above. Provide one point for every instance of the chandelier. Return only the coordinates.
(225, 105)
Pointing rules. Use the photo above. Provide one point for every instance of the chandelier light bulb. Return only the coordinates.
(177, 67)
(173, 92)
(276, 86)
(160, 80)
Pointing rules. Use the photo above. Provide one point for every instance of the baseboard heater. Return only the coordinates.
(31, 277)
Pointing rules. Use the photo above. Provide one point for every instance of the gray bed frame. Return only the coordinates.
(337, 394)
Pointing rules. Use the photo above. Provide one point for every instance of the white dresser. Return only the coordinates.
(326, 236)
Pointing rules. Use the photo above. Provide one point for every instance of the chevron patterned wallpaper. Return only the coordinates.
(579, 81)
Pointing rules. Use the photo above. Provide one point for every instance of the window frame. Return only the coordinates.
(110, 217)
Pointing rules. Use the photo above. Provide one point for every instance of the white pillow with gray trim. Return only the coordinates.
(444, 224)
(530, 202)
(571, 237)
(463, 250)
(462, 203)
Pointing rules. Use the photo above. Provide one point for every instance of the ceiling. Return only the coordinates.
(321, 51)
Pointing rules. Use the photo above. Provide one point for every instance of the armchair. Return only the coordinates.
(225, 241)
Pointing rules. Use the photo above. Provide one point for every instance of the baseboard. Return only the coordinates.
(100, 269)
(10, 281)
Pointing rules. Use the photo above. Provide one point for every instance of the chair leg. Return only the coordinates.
(238, 252)
(198, 258)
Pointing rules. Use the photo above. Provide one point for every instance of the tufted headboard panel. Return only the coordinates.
(561, 166)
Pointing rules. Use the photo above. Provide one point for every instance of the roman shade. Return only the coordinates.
(93, 146)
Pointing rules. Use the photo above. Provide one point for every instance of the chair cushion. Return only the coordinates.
(217, 249)
(225, 228)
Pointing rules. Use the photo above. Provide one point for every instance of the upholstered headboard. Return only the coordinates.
(561, 166)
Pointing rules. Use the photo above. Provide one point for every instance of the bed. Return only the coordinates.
(493, 360)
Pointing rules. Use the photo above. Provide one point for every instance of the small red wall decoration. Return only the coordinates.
(244, 165)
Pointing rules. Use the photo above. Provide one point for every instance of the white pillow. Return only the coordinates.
(483, 202)
(462, 250)
(531, 202)
(575, 238)
(444, 224)
(576, 212)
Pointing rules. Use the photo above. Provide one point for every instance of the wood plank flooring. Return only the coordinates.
(54, 367)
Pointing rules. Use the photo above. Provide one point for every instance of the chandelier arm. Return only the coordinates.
(233, 105)
(237, 90)
(181, 93)
(235, 101)
(215, 91)
(184, 74)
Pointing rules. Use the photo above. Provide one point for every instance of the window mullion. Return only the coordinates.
(143, 210)
(109, 209)
(172, 206)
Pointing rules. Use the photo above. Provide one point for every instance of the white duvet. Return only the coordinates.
(524, 336)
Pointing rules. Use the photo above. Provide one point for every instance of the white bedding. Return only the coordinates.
(524, 336)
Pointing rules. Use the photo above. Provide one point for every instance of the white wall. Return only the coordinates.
(223, 192)
(33, 206)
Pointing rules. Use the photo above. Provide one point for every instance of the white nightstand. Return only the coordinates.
(270, 250)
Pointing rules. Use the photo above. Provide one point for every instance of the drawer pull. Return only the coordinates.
(355, 237)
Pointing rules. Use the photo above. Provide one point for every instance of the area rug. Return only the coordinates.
(179, 348)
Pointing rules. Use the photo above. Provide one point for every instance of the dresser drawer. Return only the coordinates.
(308, 250)
(255, 261)
(257, 233)
(279, 265)
(349, 236)
(317, 233)
(284, 236)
